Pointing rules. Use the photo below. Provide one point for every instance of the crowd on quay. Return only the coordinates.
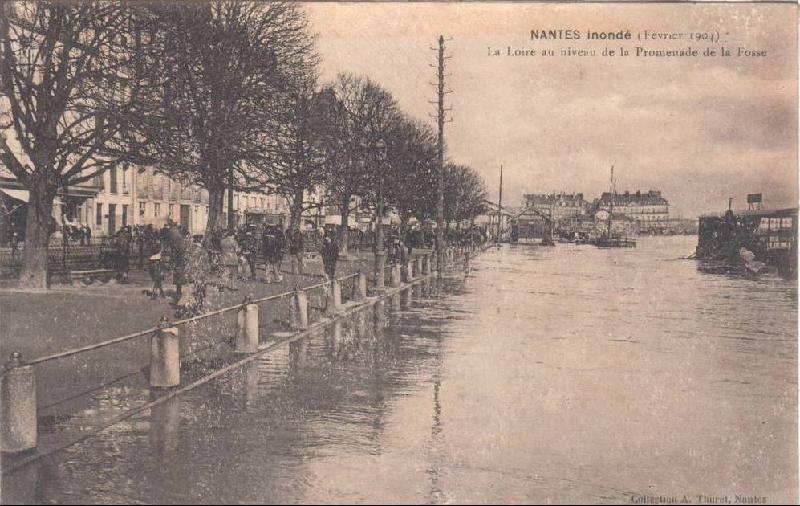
(253, 252)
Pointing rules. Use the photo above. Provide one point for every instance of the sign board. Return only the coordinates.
(753, 198)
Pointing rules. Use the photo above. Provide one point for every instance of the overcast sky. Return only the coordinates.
(699, 129)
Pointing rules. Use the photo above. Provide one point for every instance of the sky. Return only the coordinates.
(700, 129)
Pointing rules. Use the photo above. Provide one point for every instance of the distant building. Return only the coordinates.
(557, 206)
(650, 210)
(489, 220)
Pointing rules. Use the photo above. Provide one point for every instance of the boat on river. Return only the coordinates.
(608, 238)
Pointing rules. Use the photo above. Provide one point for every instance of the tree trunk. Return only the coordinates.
(231, 215)
(296, 211)
(37, 235)
(216, 204)
(344, 211)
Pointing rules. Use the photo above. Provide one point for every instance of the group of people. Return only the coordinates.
(118, 249)
(80, 234)
(227, 256)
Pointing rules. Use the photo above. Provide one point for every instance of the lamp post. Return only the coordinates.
(380, 254)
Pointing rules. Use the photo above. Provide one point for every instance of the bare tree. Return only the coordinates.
(464, 194)
(411, 182)
(295, 165)
(219, 74)
(68, 85)
(360, 114)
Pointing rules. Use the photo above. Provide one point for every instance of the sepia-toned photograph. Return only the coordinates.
(480, 252)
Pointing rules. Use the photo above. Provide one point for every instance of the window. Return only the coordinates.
(157, 210)
(124, 215)
(125, 179)
(171, 211)
(142, 210)
(113, 185)
(99, 215)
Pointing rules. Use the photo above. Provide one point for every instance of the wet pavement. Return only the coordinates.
(544, 375)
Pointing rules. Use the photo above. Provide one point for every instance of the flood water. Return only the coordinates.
(558, 375)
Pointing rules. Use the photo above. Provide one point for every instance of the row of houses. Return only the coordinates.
(129, 196)
(650, 210)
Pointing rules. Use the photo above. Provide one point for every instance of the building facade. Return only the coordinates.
(557, 206)
(650, 210)
(129, 196)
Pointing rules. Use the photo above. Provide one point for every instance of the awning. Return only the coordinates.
(22, 195)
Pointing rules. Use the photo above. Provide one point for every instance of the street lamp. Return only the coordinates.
(380, 255)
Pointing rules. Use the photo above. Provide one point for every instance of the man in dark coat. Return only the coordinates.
(177, 255)
(330, 253)
(273, 244)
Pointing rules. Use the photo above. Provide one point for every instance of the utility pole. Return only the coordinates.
(440, 117)
(499, 210)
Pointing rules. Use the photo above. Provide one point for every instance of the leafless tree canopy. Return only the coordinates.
(221, 94)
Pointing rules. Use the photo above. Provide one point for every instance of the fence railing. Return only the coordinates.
(19, 390)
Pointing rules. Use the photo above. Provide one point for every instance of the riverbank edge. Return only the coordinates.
(348, 309)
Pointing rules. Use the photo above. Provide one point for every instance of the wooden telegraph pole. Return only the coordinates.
(440, 118)
(499, 211)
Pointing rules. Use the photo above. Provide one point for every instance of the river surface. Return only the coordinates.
(554, 375)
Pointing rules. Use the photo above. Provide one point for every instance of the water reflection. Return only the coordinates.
(545, 375)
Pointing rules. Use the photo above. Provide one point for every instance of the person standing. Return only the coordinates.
(123, 252)
(177, 254)
(249, 248)
(296, 250)
(409, 241)
(274, 244)
(330, 254)
(156, 273)
(14, 240)
(230, 260)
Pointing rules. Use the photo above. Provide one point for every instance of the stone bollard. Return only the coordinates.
(18, 405)
(380, 316)
(395, 280)
(299, 309)
(334, 302)
(360, 287)
(165, 359)
(247, 328)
